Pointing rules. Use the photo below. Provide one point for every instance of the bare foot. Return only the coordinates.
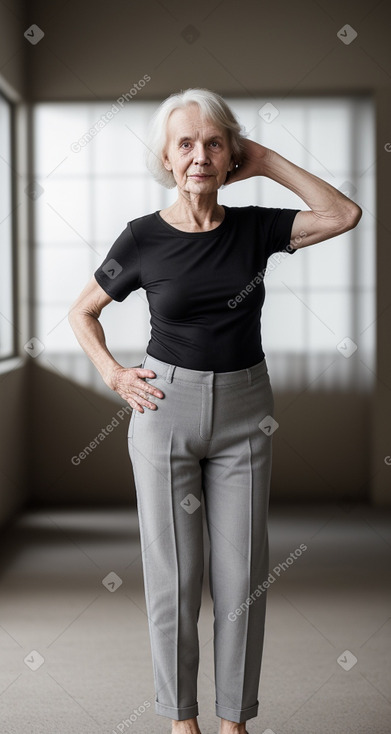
(187, 726)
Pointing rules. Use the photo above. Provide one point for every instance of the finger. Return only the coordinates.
(139, 404)
(132, 402)
(142, 372)
(144, 400)
(137, 397)
(136, 400)
(136, 406)
(146, 387)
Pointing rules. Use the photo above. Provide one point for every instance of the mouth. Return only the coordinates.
(200, 175)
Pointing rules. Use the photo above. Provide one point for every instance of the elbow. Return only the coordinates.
(72, 321)
(78, 312)
(72, 314)
(349, 219)
(355, 215)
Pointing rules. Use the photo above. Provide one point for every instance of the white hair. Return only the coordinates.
(212, 106)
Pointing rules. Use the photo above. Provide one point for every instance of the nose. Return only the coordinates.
(200, 154)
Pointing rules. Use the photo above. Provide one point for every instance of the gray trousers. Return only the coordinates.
(204, 438)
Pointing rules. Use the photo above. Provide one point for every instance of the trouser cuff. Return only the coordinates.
(190, 712)
(237, 715)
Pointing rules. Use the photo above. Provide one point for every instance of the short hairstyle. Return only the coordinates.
(212, 106)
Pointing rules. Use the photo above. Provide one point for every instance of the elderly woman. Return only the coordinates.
(202, 401)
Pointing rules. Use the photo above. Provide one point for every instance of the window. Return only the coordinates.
(7, 316)
(90, 179)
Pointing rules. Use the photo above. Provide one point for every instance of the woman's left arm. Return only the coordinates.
(331, 212)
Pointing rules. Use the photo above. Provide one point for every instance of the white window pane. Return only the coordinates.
(364, 254)
(329, 318)
(6, 309)
(61, 274)
(283, 327)
(53, 328)
(110, 225)
(367, 327)
(365, 197)
(329, 263)
(159, 197)
(332, 150)
(63, 211)
(119, 201)
(246, 113)
(284, 268)
(365, 151)
(119, 146)
(56, 127)
(126, 324)
(287, 132)
(275, 195)
(242, 193)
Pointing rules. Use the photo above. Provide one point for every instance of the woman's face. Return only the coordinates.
(197, 151)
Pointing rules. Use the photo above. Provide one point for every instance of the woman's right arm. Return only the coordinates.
(128, 382)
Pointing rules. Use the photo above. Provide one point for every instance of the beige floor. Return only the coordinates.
(93, 644)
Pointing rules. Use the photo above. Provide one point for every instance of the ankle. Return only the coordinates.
(186, 725)
(232, 727)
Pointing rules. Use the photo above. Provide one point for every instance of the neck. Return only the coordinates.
(198, 210)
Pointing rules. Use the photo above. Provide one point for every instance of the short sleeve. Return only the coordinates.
(276, 227)
(119, 273)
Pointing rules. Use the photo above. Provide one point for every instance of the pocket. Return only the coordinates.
(261, 396)
(261, 382)
(154, 399)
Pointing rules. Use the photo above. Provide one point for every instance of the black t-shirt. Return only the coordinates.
(205, 289)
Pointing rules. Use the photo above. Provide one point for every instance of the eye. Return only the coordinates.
(185, 144)
(215, 143)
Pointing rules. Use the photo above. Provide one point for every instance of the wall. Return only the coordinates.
(14, 427)
(66, 419)
(380, 431)
(14, 413)
(92, 50)
(12, 48)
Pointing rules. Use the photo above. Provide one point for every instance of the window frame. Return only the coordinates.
(13, 352)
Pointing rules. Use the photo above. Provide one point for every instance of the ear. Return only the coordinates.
(166, 162)
(232, 164)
